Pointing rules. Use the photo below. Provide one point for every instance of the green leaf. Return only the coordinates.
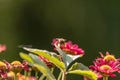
(43, 70)
(67, 59)
(91, 75)
(78, 66)
(26, 57)
(48, 56)
(81, 69)
(41, 66)
(64, 56)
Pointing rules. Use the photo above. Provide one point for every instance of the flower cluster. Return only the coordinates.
(10, 71)
(107, 65)
(40, 64)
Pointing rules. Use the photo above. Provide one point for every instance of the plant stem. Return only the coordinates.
(36, 74)
(15, 77)
(63, 75)
(59, 77)
(105, 78)
(29, 74)
(85, 78)
(52, 70)
(42, 77)
(25, 74)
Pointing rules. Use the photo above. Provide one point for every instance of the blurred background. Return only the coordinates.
(92, 24)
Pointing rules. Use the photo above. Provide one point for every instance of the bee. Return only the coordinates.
(61, 41)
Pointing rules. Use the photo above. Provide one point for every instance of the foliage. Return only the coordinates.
(43, 64)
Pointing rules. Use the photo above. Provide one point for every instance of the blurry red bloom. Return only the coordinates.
(48, 63)
(2, 47)
(22, 77)
(16, 66)
(68, 47)
(3, 74)
(25, 66)
(10, 75)
(106, 65)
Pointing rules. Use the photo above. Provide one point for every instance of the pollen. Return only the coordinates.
(105, 67)
(2, 65)
(109, 58)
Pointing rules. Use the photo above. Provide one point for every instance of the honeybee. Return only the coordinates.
(61, 41)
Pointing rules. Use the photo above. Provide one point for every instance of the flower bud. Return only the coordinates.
(16, 66)
(2, 66)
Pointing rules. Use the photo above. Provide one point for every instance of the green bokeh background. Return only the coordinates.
(93, 24)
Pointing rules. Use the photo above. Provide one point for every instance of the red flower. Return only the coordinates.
(3, 73)
(106, 65)
(2, 48)
(22, 77)
(68, 47)
(16, 66)
(48, 63)
(26, 66)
